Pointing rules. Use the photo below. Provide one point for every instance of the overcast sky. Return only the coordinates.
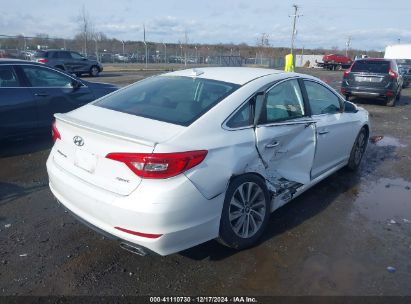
(372, 24)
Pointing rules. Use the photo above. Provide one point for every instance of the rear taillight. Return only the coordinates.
(42, 60)
(347, 72)
(159, 165)
(393, 74)
(54, 132)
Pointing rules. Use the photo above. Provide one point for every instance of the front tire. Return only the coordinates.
(358, 150)
(245, 212)
(94, 71)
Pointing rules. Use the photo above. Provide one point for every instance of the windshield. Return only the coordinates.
(177, 100)
(372, 66)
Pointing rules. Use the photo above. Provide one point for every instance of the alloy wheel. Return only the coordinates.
(247, 209)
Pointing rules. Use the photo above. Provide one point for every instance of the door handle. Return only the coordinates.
(323, 132)
(41, 94)
(272, 145)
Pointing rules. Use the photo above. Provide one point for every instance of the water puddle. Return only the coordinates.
(385, 141)
(386, 200)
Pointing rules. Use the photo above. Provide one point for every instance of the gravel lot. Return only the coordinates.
(336, 239)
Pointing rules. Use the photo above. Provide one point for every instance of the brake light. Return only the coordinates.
(43, 60)
(159, 165)
(393, 74)
(347, 72)
(55, 134)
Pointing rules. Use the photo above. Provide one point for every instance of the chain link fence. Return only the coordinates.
(115, 51)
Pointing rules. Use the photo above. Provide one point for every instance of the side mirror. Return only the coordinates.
(349, 107)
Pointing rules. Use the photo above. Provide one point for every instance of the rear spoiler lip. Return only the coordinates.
(102, 130)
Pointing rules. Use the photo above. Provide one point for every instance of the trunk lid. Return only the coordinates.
(374, 80)
(89, 133)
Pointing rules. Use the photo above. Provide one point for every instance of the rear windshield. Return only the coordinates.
(40, 54)
(372, 66)
(177, 100)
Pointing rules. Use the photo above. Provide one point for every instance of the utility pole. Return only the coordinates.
(185, 48)
(145, 44)
(347, 44)
(294, 25)
(165, 52)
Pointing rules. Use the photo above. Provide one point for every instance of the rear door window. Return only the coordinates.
(76, 56)
(371, 66)
(321, 99)
(8, 77)
(177, 100)
(46, 78)
(64, 55)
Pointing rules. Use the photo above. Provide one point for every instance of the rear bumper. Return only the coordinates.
(368, 92)
(173, 208)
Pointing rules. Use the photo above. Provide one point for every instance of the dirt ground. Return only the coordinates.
(348, 235)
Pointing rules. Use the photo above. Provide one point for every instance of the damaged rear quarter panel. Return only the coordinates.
(231, 159)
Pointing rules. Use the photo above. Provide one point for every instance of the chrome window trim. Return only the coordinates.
(41, 66)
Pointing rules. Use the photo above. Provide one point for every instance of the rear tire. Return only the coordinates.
(94, 71)
(398, 97)
(390, 101)
(245, 212)
(358, 150)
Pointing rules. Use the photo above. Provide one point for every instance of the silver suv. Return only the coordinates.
(69, 61)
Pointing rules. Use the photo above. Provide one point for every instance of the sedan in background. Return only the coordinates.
(373, 78)
(176, 160)
(30, 94)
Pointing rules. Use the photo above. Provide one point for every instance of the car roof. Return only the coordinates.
(52, 50)
(237, 75)
(374, 59)
(17, 61)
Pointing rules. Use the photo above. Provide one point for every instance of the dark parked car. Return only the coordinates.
(404, 66)
(375, 78)
(30, 94)
(69, 61)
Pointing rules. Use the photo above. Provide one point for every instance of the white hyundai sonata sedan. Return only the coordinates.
(178, 159)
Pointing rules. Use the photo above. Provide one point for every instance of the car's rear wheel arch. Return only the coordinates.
(255, 184)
